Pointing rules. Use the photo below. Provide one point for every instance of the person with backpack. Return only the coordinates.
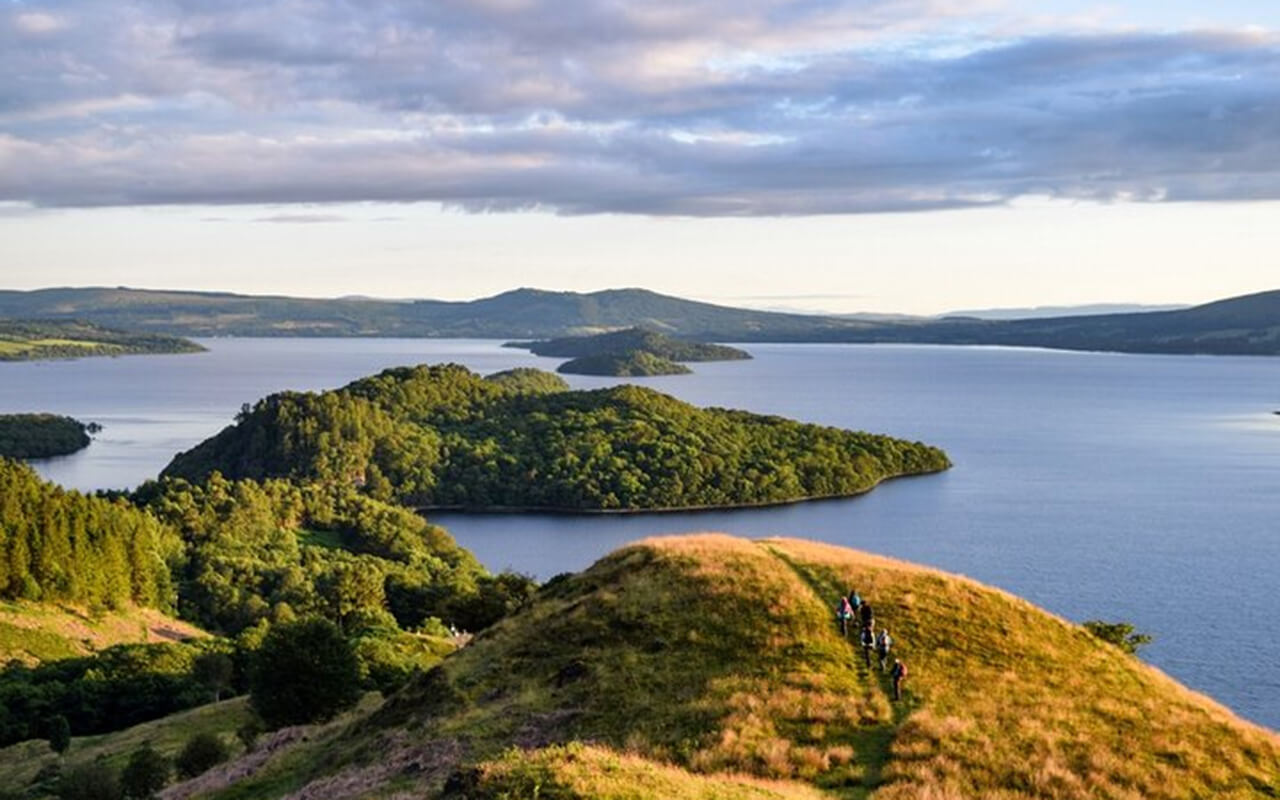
(883, 642)
(844, 613)
(868, 642)
(867, 614)
(855, 600)
(898, 674)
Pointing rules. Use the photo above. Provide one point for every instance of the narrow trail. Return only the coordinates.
(874, 746)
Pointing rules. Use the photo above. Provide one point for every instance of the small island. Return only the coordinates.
(42, 435)
(30, 340)
(636, 363)
(629, 353)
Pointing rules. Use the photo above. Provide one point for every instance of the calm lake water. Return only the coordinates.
(1139, 488)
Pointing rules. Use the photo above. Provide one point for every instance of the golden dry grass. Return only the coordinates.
(577, 772)
(707, 658)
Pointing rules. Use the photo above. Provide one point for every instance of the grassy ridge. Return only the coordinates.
(689, 662)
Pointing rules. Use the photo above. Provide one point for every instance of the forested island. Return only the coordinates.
(28, 340)
(629, 353)
(443, 437)
(42, 435)
(635, 364)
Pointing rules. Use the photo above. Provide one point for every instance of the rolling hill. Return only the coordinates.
(709, 667)
(1247, 325)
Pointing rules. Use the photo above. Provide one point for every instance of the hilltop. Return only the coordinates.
(709, 666)
(442, 436)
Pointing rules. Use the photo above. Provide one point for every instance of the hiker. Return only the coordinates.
(855, 600)
(883, 642)
(844, 614)
(868, 616)
(868, 642)
(898, 674)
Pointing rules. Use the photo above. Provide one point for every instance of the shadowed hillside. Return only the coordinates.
(696, 665)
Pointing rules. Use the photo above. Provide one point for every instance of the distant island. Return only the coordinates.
(630, 352)
(29, 340)
(42, 435)
(443, 437)
(635, 364)
(1247, 325)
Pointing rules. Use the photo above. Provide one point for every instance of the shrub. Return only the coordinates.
(93, 781)
(146, 773)
(202, 752)
(58, 731)
(1121, 634)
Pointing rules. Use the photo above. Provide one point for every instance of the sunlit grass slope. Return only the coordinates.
(36, 632)
(20, 763)
(690, 662)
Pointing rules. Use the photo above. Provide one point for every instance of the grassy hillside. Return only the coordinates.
(20, 763)
(35, 632)
(27, 340)
(693, 663)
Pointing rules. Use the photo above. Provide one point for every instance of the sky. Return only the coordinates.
(910, 156)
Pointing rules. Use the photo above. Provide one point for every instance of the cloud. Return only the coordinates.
(302, 219)
(700, 107)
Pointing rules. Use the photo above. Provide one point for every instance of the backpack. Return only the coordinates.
(900, 670)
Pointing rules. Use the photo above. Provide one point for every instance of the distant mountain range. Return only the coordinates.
(1240, 325)
(1039, 312)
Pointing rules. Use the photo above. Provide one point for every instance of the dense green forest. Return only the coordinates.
(61, 546)
(236, 557)
(637, 363)
(41, 435)
(442, 436)
(27, 340)
(632, 340)
(276, 551)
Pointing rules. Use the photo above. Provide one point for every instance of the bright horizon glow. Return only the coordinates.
(1034, 253)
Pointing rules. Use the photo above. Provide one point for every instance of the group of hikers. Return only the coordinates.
(853, 607)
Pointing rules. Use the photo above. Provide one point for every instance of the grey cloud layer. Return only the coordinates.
(702, 107)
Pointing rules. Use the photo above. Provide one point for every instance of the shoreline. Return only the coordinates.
(625, 512)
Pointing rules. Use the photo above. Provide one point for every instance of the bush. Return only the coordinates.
(146, 773)
(202, 752)
(94, 781)
(304, 672)
(58, 731)
(1121, 634)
